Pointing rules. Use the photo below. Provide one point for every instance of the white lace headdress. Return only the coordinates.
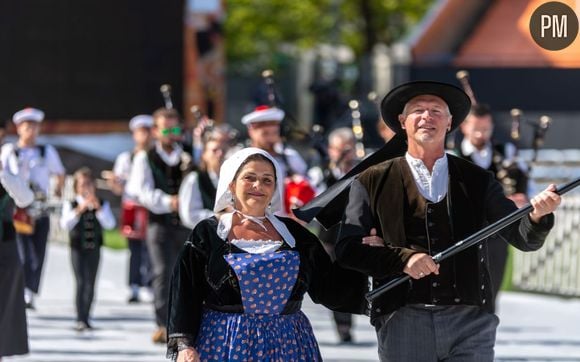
(224, 196)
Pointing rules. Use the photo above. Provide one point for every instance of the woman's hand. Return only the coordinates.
(373, 239)
(188, 355)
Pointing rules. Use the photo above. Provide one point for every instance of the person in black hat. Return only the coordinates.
(420, 204)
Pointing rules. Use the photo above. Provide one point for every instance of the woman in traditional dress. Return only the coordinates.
(237, 287)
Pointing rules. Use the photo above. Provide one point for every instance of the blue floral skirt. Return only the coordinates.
(256, 337)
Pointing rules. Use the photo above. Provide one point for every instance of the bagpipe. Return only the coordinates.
(297, 188)
(509, 173)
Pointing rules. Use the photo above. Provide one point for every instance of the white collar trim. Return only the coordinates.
(225, 225)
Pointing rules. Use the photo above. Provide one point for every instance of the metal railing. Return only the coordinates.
(555, 268)
(56, 233)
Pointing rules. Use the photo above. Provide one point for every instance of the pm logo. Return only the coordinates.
(554, 25)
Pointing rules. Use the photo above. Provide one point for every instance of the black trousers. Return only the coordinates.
(85, 263)
(32, 249)
(139, 264)
(163, 243)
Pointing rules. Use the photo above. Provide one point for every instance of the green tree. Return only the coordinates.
(259, 33)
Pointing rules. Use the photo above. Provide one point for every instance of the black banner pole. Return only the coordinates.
(471, 240)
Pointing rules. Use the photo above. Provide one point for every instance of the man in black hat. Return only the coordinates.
(421, 204)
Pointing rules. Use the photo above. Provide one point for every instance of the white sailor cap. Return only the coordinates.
(263, 114)
(28, 114)
(141, 121)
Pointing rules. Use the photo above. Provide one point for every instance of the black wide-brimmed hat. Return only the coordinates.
(394, 102)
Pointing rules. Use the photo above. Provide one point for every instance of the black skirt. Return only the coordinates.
(13, 330)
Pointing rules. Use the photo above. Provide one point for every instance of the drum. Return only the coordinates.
(297, 192)
(23, 222)
(134, 218)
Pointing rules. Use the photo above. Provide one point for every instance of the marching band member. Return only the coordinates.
(35, 164)
(154, 182)
(264, 132)
(135, 228)
(85, 218)
(478, 148)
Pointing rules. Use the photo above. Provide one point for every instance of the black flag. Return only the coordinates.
(329, 206)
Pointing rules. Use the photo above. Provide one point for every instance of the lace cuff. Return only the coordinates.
(178, 342)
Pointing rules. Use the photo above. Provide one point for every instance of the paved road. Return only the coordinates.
(533, 328)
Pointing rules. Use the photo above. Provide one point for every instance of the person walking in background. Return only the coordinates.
(155, 179)
(85, 218)
(478, 148)
(35, 164)
(421, 204)
(199, 187)
(341, 159)
(13, 328)
(133, 214)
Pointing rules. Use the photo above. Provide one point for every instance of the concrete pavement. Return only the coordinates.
(533, 328)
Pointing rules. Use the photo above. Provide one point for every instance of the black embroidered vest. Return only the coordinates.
(168, 179)
(87, 233)
(207, 190)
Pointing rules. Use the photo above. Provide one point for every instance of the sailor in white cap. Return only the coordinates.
(28, 114)
(139, 266)
(264, 132)
(35, 164)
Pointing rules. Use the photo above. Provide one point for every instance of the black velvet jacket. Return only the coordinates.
(203, 279)
(379, 198)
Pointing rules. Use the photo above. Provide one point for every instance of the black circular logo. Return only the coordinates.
(554, 25)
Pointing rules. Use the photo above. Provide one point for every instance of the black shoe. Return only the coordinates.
(345, 337)
(133, 299)
(30, 306)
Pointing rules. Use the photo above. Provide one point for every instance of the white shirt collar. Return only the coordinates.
(172, 158)
(482, 158)
(432, 186)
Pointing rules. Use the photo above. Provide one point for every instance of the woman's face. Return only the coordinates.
(254, 187)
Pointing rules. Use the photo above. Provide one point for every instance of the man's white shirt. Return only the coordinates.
(432, 185)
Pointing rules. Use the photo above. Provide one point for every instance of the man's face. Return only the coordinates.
(426, 119)
(341, 150)
(264, 135)
(167, 130)
(477, 130)
(214, 152)
(142, 136)
(28, 130)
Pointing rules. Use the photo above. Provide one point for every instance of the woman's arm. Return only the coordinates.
(186, 295)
